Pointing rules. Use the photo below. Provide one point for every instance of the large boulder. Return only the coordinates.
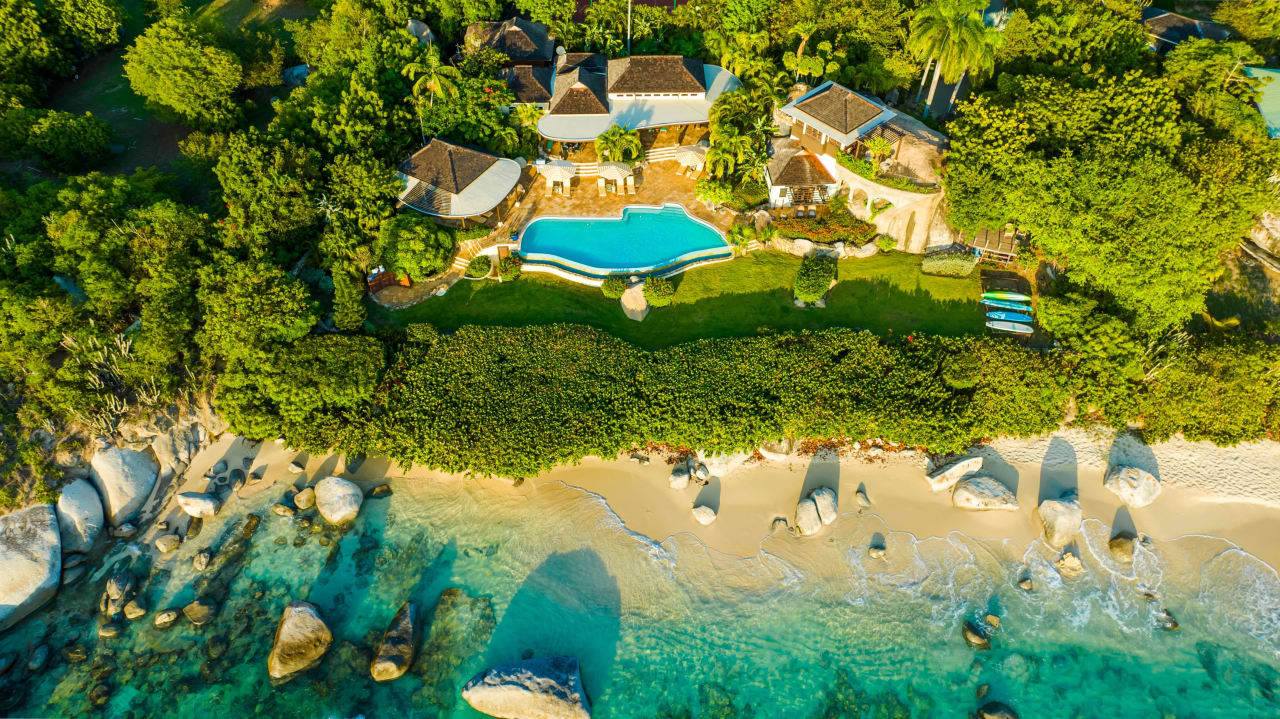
(634, 304)
(825, 499)
(301, 640)
(1135, 487)
(198, 504)
(338, 500)
(30, 561)
(704, 514)
(395, 653)
(1061, 519)
(1121, 546)
(808, 521)
(544, 688)
(80, 518)
(124, 479)
(983, 493)
(946, 478)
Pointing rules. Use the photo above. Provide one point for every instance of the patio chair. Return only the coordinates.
(631, 185)
(813, 212)
(600, 186)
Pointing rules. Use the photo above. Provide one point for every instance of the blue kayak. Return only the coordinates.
(1008, 317)
(1004, 305)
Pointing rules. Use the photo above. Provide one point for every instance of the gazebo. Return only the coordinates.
(999, 246)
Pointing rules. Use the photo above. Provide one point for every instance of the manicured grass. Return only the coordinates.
(749, 295)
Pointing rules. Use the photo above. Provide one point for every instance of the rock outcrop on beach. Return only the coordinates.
(1135, 487)
(30, 561)
(124, 479)
(704, 515)
(1069, 566)
(825, 500)
(1061, 519)
(946, 478)
(982, 493)
(80, 517)
(1121, 546)
(198, 504)
(301, 640)
(543, 688)
(305, 499)
(338, 500)
(808, 521)
(395, 652)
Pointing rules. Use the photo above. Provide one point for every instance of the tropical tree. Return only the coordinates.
(177, 67)
(432, 77)
(618, 144)
(951, 34)
(879, 147)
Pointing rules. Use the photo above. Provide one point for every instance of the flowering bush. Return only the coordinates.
(834, 227)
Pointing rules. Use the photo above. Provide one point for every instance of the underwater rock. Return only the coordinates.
(808, 522)
(1025, 584)
(996, 710)
(1135, 487)
(1165, 621)
(1069, 566)
(201, 611)
(30, 561)
(981, 494)
(216, 646)
(704, 514)
(75, 653)
(301, 640)
(167, 542)
(99, 695)
(124, 531)
(395, 652)
(69, 576)
(198, 504)
(544, 688)
(825, 500)
(306, 499)
(283, 510)
(124, 479)
(165, 618)
(80, 517)
(1121, 547)
(1061, 519)
(875, 551)
(6, 660)
(460, 628)
(200, 561)
(338, 500)
(110, 630)
(120, 589)
(136, 608)
(975, 636)
(37, 658)
(382, 490)
(946, 478)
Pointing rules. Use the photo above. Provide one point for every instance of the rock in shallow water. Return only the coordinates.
(1061, 519)
(545, 688)
(395, 653)
(996, 710)
(167, 542)
(30, 561)
(1121, 547)
(198, 504)
(306, 499)
(200, 561)
(80, 517)
(338, 500)
(165, 618)
(201, 611)
(301, 640)
(975, 636)
(135, 609)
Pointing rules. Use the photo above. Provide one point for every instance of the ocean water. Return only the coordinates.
(807, 628)
(643, 239)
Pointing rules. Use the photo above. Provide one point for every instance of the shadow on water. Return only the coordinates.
(570, 605)
(1059, 472)
(709, 496)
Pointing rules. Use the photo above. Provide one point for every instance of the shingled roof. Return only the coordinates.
(839, 108)
(522, 40)
(793, 166)
(656, 73)
(528, 83)
(447, 166)
(580, 85)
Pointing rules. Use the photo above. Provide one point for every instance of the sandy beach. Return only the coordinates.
(1230, 493)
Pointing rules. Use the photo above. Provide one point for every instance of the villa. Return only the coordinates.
(589, 94)
(1168, 29)
(456, 182)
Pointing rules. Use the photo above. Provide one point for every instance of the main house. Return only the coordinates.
(825, 122)
(456, 182)
(588, 93)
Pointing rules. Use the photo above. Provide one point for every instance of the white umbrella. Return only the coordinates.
(692, 155)
(558, 170)
(615, 171)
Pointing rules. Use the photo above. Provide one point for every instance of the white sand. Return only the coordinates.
(1233, 493)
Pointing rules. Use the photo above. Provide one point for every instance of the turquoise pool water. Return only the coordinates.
(806, 629)
(643, 240)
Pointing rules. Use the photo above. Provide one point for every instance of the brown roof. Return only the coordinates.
(580, 85)
(794, 166)
(839, 108)
(528, 83)
(447, 166)
(522, 40)
(656, 73)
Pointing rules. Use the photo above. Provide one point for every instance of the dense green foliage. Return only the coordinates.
(814, 278)
(658, 291)
(832, 227)
(65, 141)
(179, 68)
(479, 266)
(415, 245)
(509, 268)
(614, 286)
(949, 264)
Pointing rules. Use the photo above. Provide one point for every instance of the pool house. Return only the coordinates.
(458, 184)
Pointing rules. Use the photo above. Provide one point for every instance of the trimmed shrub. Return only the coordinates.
(834, 227)
(715, 192)
(886, 243)
(614, 286)
(658, 291)
(949, 265)
(479, 266)
(509, 268)
(814, 278)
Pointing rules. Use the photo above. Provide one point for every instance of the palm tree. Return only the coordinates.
(721, 161)
(527, 116)
(430, 75)
(752, 162)
(803, 30)
(952, 33)
(618, 144)
(760, 128)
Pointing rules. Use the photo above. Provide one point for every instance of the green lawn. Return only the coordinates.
(746, 296)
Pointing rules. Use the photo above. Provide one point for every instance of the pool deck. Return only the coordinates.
(656, 184)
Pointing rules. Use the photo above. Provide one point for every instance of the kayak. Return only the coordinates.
(1008, 317)
(1014, 327)
(1003, 305)
(1005, 295)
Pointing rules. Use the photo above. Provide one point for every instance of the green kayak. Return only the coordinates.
(1005, 295)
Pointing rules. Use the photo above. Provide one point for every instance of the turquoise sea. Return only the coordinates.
(807, 628)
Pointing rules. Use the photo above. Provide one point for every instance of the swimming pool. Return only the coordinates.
(644, 240)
